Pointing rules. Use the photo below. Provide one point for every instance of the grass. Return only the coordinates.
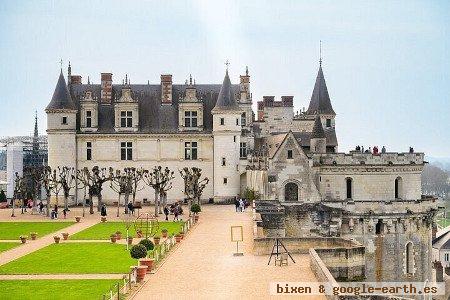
(54, 289)
(13, 230)
(73, 258)
(103, 231)
(444, 222)
(7, 246)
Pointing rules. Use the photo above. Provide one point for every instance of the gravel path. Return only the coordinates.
(203, 266)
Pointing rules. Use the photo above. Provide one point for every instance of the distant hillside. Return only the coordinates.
(441, 162)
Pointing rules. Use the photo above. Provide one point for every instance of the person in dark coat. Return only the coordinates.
(166, 212)
(130, 208)
(103, 211)
(236, 203)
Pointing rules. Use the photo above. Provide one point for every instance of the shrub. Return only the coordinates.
(195, 208)
(138, 251)
(147, 244)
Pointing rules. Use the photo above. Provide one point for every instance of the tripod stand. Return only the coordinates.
(276, 250)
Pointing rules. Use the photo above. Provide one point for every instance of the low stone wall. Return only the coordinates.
(321, 272)
(263, 245)
(346, 264)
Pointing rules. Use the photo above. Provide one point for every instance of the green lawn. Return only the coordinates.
(102, 231)
(7, 246)
(13, 230)
(54, 289)
(73, 258)
(444, 222)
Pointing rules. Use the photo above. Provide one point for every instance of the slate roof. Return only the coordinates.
(442, 241)
(153, 116)
(317, 131)
(320, 100)
(61, 99)
(226, 99)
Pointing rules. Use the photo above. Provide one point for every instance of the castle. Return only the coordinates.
(291, 159)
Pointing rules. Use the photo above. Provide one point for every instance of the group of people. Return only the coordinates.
(174, 209)
(240, 204)
(374, 151)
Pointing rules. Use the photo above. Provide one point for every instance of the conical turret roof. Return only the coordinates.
(317, 132)
(61, 99)
(320, 100)
(225, 100)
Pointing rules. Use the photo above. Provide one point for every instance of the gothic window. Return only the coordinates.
(243, 150)
(349, 188)
(190, 119)
(89, 151)
(126, 118)
(190, 150)
(64, 120)
(409, 258)
(289, 154)
(222, 121)
(126, 151)
(398, 188)
(328, 123)
(291, 192)
(243, 119)
(88, 118)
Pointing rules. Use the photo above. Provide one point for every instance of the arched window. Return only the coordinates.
(291, 192)
(409, 259)
(349, 187)
(398, 188)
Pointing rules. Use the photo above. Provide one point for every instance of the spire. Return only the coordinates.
(36, 133)
(320, 100)
(61, 99)
(317, 132)
(225, 100)
(69, 73)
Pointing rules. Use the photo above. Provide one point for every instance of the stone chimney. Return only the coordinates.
(75, 79)
(244, 87)
(166, 89)
(288, 101)
(106, 93)
(260, 111)
(268, 101)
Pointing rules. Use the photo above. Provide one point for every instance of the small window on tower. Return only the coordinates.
(225, 180)
(223, 161)
(89, 151)
(328, 123)
(222, 121)
(64, 120)
(289, 154)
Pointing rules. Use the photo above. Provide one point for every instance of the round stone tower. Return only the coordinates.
(227, 133)
(61, 127)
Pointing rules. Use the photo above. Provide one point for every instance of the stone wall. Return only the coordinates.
(321, 272)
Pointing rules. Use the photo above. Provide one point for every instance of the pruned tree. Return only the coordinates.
(48, 186)
(93, 181)
(56, 187)
(67, 180)
(193, 184)
(121, 183)
(157, 179)
(135, 176)
(19, 191)
(165, 187)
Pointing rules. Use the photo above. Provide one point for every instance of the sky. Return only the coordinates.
(386, 63)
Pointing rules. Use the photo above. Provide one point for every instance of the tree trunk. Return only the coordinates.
(99, 200)
(156, 202)
(161, 200)
(66, 200)
(48, 204)
(91, 205)
(118, 206)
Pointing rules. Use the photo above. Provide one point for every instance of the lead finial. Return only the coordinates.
(89, 81)
(246, 70)
(60, 63)
(190, 79)
(320, 53)
(126, 78)
(227, 63)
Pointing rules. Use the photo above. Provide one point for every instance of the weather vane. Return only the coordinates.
(227, 63)
(61, 62)
(320, 53)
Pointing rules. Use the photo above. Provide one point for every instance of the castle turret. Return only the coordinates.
(61, 127)
(227, 133)
(318, 138)
(320, 101)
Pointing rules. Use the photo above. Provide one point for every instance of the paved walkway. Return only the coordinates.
(203, 266)
(44, 241)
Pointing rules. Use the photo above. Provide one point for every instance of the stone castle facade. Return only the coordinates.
(291, 159)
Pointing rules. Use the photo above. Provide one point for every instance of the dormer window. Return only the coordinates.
(88, 118)
(126, 118)
(328, 123)
(190, 119)
(289, 154)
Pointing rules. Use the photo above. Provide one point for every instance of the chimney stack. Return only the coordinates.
(166, 89)
(260, 111)
(75, 79)
(106, 93)
(288, 101)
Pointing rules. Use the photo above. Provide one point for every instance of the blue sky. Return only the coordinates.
(386, 62)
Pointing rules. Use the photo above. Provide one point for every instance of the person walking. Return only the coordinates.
(55, 209)
(166, 212)
(241, 205)
(103, 211)
(130, 208)
(41, 207)
(236, 203)
(65, 213)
